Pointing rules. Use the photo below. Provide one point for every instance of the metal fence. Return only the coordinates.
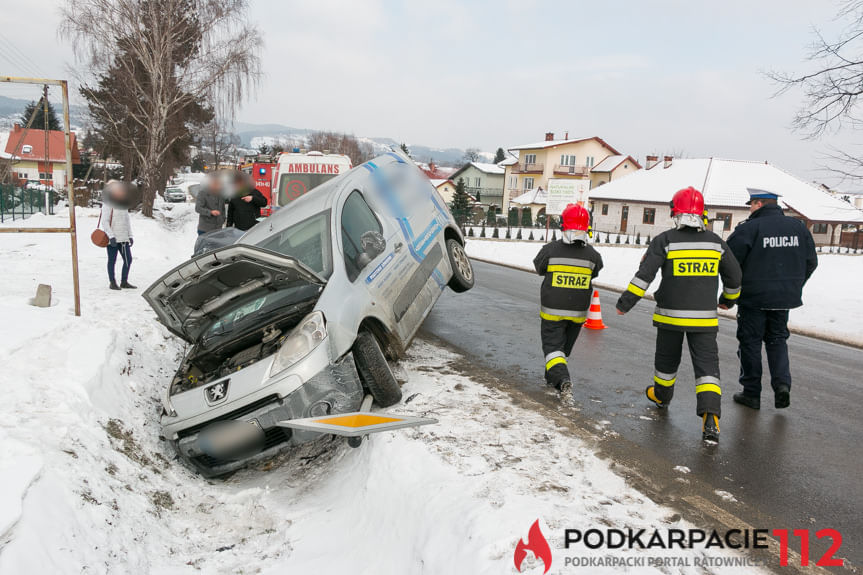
(17, 203)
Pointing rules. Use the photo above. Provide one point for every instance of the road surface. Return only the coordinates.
(799, 468)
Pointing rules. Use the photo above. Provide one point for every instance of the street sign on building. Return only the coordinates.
(565, 191)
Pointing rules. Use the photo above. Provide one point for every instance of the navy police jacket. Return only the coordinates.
(777, 254)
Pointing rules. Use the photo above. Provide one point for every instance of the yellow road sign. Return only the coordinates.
(355, 424)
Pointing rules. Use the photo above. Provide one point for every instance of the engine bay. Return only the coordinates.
(205, 364)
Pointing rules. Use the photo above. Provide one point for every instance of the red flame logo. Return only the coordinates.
(536, 544)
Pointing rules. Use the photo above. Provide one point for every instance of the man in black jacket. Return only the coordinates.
(777, 254)
(692, 260)
(244, 208)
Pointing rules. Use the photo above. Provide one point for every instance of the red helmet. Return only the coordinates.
(575, 217)
(687, 201)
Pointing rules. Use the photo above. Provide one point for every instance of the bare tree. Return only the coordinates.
(221, 141)
(170, 54)
(832, 88)
(337, 143)
(471, 155)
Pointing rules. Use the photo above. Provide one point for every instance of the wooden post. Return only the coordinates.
(73, 232)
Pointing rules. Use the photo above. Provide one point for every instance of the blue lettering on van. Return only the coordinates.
(377, 271)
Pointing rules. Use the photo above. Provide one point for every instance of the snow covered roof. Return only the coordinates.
(610, 163)
(553, 143)
(508, 161)
(493, 169)
(724, 183)
(534, 196)
(437, 182)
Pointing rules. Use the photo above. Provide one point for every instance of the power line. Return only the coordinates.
(20, 55)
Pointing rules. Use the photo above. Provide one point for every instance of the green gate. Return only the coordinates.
(17, 203)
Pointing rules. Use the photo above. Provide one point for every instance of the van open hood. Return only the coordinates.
(189, 298)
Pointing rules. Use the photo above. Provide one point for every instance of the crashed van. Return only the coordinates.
(303, 316)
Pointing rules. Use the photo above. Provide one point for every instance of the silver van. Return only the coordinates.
(301, 317)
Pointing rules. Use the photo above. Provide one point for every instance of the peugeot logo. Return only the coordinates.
(217, 392)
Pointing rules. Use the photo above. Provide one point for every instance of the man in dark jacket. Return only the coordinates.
(692, 260)
(777, 254)
(568, 267)
(244, 208)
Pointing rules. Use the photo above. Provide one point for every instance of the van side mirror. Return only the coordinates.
(373, 244)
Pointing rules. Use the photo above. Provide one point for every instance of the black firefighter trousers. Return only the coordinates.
(558, 337)
(705, 362)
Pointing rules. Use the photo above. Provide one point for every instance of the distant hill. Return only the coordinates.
(12, 108)
(253, 135)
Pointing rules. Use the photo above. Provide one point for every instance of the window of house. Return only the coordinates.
(45, 176)
(26, 149)
(649, 216)
(529, 159)
(819, 228)
(604, 209)
(513, 182)
(528, 183)
(357, 219)
(725, 218)
(567, 160)
(588, 161)
(476, 182)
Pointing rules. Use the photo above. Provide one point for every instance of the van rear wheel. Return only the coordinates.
(374, 371)
(462, 271)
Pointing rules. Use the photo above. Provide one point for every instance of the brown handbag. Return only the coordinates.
(99, 237)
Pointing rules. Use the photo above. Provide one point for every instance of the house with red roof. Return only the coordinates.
(30, 159)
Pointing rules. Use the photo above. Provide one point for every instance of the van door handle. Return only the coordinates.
(398, 247)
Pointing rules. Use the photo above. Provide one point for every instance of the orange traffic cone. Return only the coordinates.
(594, 314)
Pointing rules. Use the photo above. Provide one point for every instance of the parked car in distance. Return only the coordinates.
(175, 194)
(301, 315)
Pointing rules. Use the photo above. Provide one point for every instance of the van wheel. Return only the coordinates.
(462, 272)
(375, 372)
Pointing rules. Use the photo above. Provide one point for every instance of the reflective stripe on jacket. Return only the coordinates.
(568, 271)
(692, 263)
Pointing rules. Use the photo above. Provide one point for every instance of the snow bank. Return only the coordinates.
(86, 484)
(832, 304)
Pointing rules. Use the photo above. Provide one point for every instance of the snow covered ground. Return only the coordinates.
(87, 486)
(832, 306)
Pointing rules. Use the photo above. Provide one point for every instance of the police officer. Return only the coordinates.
(692, 260)
(568, 266)
(777, 254)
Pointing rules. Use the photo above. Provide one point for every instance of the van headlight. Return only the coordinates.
(302, 340)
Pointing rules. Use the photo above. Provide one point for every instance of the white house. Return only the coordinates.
(639, 203)
(483, 181)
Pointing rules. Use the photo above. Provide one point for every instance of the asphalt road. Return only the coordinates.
(799, 468)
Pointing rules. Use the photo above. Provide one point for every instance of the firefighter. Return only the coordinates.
(692, 260)
(777, 254)
(568, 267)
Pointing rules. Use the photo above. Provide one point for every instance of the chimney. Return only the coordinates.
(432, 167)
(549, 136)
(651, 161)
(566, 136)
(667, 161)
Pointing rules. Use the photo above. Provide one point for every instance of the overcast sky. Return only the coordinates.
(657, 76)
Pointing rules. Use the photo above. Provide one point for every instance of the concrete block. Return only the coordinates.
(43, 296)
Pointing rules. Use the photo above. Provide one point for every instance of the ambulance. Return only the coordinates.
(296, 173)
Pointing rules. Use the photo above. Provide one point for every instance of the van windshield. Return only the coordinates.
(308, 241)
(292, 186)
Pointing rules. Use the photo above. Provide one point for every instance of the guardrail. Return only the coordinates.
(17, 203)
